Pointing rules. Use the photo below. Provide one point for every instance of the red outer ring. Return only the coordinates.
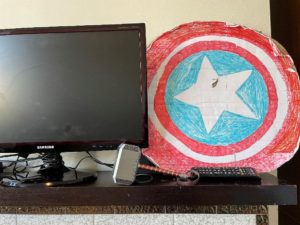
(284, 144)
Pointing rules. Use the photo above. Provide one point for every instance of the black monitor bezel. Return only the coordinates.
(93, 145)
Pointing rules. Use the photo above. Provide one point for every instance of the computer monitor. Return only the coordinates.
(66, 89)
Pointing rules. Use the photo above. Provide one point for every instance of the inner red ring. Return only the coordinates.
(166, 121)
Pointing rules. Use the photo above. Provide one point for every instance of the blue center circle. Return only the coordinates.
(230, 128)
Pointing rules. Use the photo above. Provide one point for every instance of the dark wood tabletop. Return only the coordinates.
(161, 191)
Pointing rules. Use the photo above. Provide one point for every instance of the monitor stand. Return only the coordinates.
(52, 173)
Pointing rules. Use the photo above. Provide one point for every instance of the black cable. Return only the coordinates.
(15, 165)
(52, 160)
(18, 171)
(7, 166)
(46, 158)
(90, 156)
(110, 165)
(11, 155)
(21, 160)
(75, 167)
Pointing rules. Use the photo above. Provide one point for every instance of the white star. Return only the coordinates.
(214, 94)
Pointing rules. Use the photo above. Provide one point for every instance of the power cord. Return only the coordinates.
(93, 158)
(110, 165)
(21, 164)
(17, 165)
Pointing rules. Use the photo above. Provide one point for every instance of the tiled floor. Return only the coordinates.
(129, 219)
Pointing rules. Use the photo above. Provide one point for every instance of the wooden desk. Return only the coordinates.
(104, 192)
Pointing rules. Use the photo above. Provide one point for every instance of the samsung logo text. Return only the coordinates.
(45, 147)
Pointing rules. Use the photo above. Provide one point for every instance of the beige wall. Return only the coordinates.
(159, 16)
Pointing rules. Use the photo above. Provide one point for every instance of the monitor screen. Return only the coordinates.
(72, 88)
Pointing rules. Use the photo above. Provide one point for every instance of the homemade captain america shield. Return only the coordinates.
(221, 95)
